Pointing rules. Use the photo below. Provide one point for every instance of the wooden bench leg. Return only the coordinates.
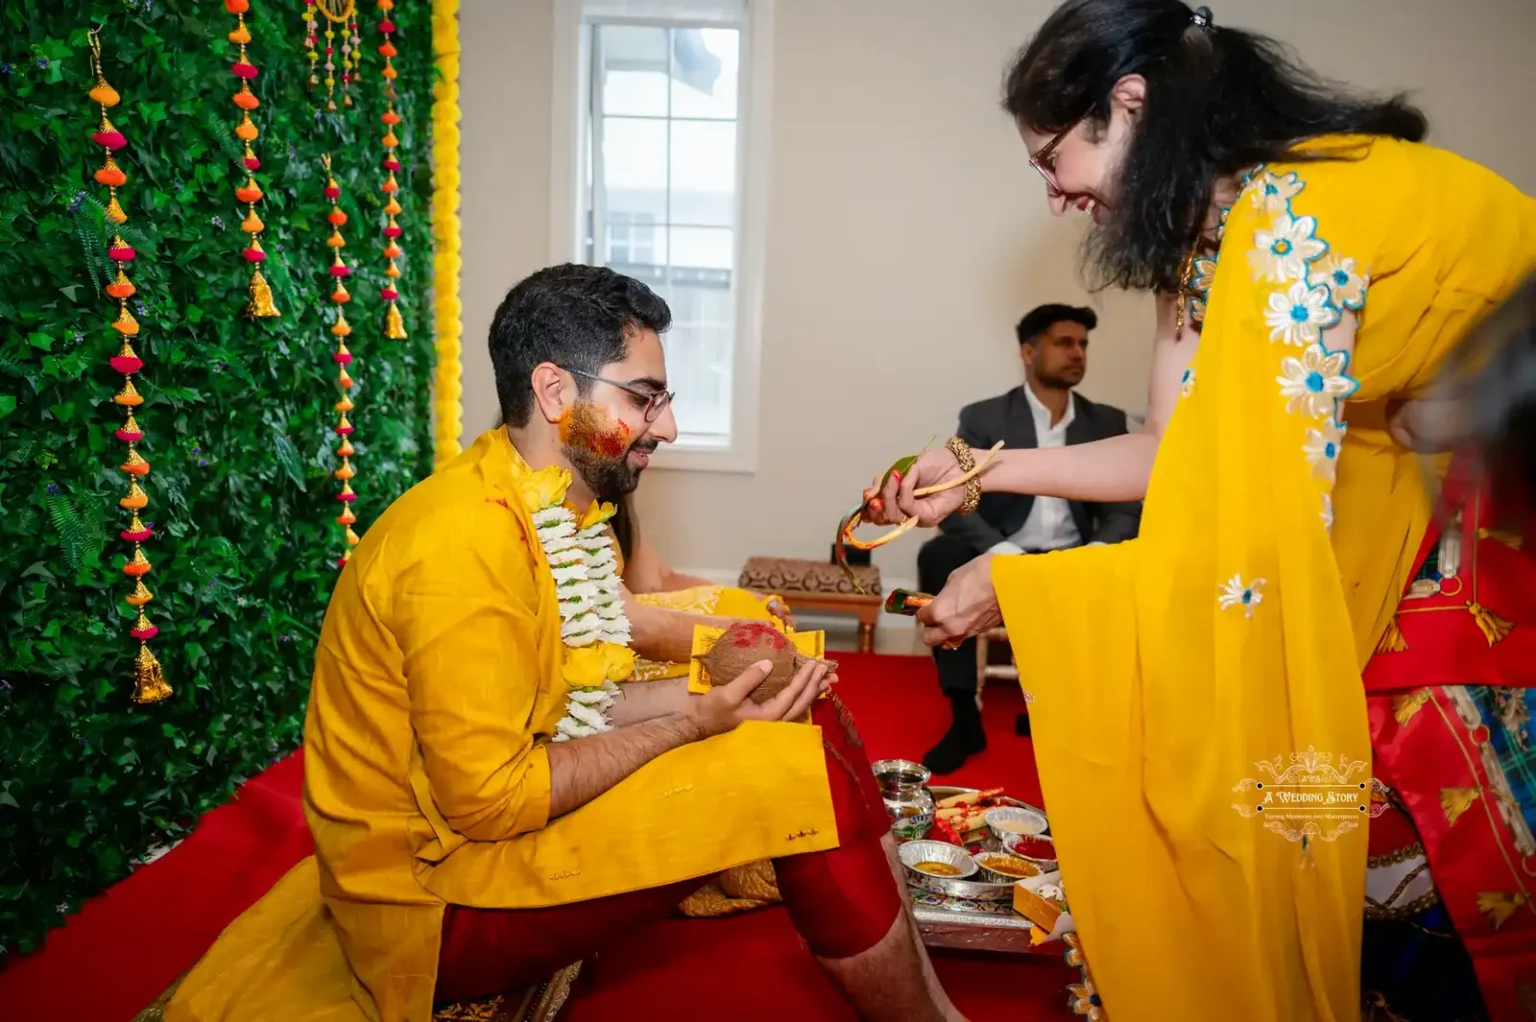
(866, 636)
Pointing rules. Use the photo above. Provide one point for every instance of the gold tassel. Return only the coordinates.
(1456, 801)
(1499, 907)
(1406, 705)
(261, 305)
(149, 684)
(394, 326)
(352, 537)
(114, 211)
(1392, 640)
(1380, 1010)
(1493, 627)
(1509, 538)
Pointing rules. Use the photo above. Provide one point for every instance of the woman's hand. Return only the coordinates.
(896, 503)
(966, 606)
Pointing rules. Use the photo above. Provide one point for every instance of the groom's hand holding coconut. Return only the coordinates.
(769, 679)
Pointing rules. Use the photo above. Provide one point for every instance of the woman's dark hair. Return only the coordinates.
(626, 530)
(1219, 100)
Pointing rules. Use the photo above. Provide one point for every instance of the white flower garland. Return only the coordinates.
(586, 575)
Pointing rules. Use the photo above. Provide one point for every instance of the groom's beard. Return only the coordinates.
(608, 478)
(598, 449)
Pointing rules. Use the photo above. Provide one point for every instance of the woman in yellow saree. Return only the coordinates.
(1316, 265)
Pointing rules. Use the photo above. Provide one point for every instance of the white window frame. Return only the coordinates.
(570, 95)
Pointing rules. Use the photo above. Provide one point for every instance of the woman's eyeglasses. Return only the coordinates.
(656, 401)
(1045, 160)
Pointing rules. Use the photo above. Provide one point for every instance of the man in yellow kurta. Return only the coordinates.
(487, 806)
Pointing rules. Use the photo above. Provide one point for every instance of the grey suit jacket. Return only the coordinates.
(1007, 417)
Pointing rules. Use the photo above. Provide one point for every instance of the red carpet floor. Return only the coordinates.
(125, 946)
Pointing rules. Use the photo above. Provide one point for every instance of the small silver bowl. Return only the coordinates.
(1010, 822)
(914, 852)
(989, 875)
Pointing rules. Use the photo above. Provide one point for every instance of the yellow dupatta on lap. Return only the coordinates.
(1164, 671)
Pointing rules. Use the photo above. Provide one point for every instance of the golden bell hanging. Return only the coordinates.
(261, 305)
(341, 295)
(125, 324)
(252, 223)
(341, 328)
(128, 397)
(344, 379)
(336, 240)
(135, 500)
(346, 471)
(141, 594)
(394, 325)
(352, 537)
(149, 684)
(114, 211)
(344, 405)
(135, 465)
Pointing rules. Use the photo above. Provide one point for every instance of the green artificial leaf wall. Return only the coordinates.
(237, 415)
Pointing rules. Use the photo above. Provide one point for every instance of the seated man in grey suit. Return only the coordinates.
(1053, 343)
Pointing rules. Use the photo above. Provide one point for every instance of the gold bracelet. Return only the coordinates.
(962, 452)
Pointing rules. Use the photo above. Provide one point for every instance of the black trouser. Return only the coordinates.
(936, 561)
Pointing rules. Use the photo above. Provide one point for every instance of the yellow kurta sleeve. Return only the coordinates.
(465, 620)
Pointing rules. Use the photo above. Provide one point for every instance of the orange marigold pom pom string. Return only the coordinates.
(149, 684)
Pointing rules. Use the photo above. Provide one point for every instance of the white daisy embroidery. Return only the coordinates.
(1299, 315)
(1322, 448)
(1187, 382)
(1328, 512)
(1281, 253)
(1204, 275)
(1344, 282)
(1272, 193)
(1236, 594)
(1316, 381)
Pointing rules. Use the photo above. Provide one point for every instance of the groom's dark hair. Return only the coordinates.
(578, 317)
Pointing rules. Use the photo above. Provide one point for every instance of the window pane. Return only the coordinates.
(634, 72)
(702, 248)
(703, 172)
(636, 243)
(699, 371)
(706, 72)
(634, 169)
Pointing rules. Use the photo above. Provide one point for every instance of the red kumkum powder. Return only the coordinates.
(587, 426)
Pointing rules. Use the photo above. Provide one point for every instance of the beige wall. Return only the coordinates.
(907, 231)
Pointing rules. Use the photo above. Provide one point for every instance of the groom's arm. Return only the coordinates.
(640, 701)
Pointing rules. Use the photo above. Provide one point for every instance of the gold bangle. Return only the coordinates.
(967, 461)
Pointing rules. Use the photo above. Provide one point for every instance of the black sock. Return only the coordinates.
(965, 737)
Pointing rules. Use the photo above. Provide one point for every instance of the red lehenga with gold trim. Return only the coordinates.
(1450, 726)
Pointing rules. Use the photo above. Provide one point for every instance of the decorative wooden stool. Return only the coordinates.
(819, 586)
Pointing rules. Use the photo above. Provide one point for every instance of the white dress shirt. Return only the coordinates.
(1049, 525)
